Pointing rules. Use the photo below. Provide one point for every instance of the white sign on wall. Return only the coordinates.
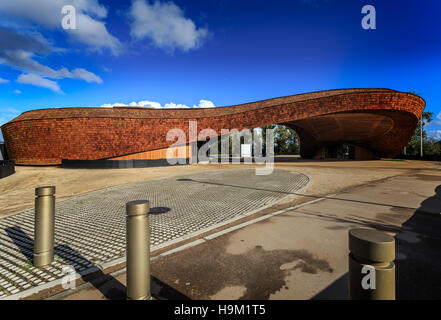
(245, 150)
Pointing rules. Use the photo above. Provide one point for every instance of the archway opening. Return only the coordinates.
(340, 151)
(286, 140)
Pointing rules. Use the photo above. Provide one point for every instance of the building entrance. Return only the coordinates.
(341, 151)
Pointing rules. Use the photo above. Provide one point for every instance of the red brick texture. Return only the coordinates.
(46, 136)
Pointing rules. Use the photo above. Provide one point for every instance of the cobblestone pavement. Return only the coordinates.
(90, 228)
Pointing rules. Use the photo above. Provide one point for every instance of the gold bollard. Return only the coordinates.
(138, 250)
(376, 250)
(44, 226)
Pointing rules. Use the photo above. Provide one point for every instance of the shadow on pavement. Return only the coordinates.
(22, 241)
(108, 285)
(418, 259)
(338, 290)
(418, 256)
(418, 248)
(159, 210)
(97, 278)
(162, 291)
(295, 193)
(70, 257)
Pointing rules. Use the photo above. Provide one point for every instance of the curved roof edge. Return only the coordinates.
(170, 113)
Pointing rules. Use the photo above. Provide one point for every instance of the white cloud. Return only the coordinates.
(206, 104)
(7, 114)
(172, 105)
(165, 25)
(4, 80)
(22, 60)
(12, 110)
(17, 91)
(39, 81)
(108, 105)
(434, 122)
(47, 13)
(157, 105)
(436, 134)
(17, 50)
(146, 103)
(80, 73)
(94, 34)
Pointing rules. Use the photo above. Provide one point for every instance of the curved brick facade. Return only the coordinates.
(378, 120)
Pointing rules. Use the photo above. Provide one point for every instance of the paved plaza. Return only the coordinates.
(90, 228)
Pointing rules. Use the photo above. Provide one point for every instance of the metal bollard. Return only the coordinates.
(376, 250)
(138, 250)
(44, 226)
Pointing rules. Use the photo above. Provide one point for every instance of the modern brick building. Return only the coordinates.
(346, 123)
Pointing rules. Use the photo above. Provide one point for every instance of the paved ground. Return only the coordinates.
(90, 228)
(17, 190)
(327, 177)
(302, 253)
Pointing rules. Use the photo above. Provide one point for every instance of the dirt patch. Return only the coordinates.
(395, 215)
(428, 177)
(260, 272)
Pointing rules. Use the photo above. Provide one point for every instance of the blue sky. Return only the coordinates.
(205, 53)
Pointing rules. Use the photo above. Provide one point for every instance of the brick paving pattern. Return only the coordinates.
(90, 228)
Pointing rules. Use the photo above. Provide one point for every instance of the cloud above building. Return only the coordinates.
(28, 29)
(91, 29)
(152, 104)
(165, 25)
(36, 80)
(7, 114)
(19, 49)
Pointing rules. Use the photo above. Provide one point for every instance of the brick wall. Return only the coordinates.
(46, 136)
